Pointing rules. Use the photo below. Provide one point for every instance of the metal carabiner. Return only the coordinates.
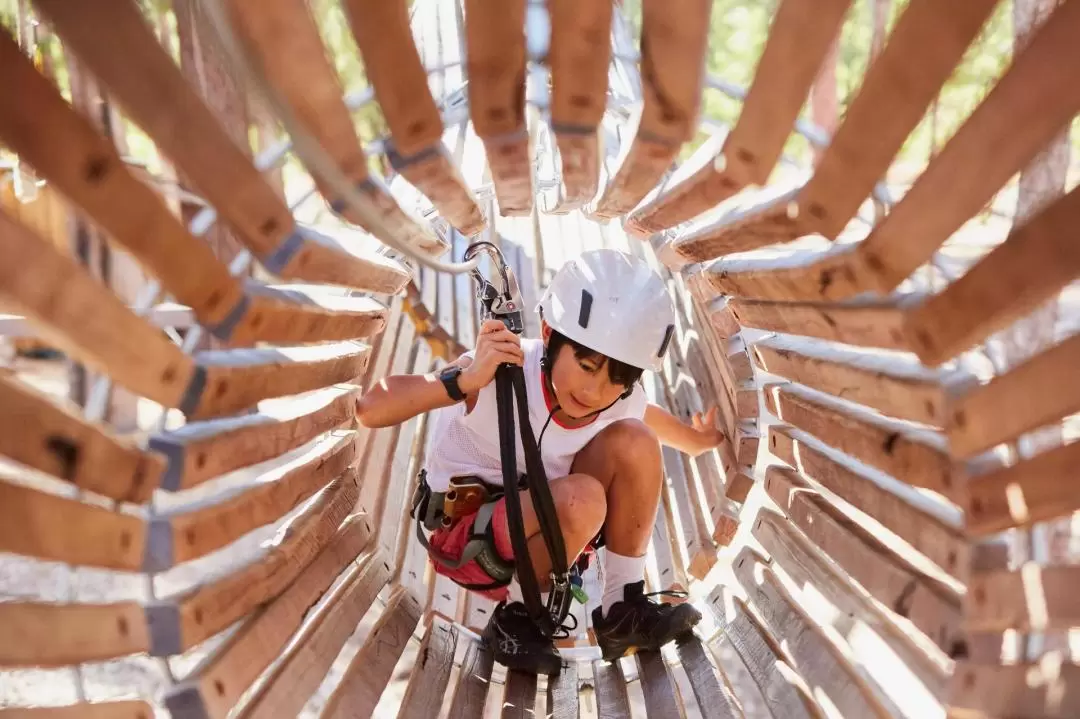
(506, 304)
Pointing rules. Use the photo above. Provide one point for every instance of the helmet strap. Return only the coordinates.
(545, 377)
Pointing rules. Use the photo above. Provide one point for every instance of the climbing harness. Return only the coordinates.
(434, 509)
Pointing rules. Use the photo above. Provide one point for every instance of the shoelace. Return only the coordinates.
(676, 593)
(561, 632)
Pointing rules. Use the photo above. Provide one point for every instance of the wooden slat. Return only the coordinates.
(799, 39)
(562, 693)
(611, 699)
(1038, 259)
(750, 700)
(495, 64)
(239, 379)
(894, 385)
(58, 441)
(368, 674)
(579, 57)
(200, 530)
(1031, 599)
(941, 543)
(929, 606)
(81, 315)
(217, 684)
(823, 663)
(865, 324)
(199, 451)
(661, 696)
(796, 276)
(714, 697)
(674, 37)
(799, 564)
(520, 697)
(132, 709)
(393, 67)
(783, 691)
(288, 686)
(473, 682)
(39, 524)
(156, 95)
(700, 552)
(57, 635)
(893, 447)
(1047, 690)
(208, 609)
(1046, 75)
(1038, 392)
(1034, 490)
(309, 313)
(427, 683)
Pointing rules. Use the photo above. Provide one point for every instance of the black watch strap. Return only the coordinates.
(449, 377)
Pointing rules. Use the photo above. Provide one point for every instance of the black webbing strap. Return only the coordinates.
(510, 385)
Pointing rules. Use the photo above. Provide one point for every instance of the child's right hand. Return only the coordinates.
(496, 345)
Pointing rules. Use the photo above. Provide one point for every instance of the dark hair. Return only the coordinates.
(618, 371)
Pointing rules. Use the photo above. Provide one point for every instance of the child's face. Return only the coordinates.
(582, 386)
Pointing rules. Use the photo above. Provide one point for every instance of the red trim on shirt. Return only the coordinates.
(549, 401)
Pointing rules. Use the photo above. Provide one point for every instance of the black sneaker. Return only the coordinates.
(517, 643)
(637, 623)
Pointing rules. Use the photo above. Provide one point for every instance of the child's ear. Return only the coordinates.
(545, 331)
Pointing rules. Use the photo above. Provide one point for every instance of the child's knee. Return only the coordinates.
(581, 504)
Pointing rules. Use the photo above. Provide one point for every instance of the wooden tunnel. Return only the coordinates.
(251, 555)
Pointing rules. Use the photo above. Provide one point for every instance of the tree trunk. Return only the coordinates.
(204, 64)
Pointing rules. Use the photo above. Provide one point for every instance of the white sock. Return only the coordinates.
(618, 572)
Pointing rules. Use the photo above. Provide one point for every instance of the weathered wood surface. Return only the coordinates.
(1047, 690)
(133, 709)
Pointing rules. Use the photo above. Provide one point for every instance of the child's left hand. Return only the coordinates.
(709, 435)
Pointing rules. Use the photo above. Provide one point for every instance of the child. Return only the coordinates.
(605, 318)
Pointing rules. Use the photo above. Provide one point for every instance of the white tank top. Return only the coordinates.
(468, 444)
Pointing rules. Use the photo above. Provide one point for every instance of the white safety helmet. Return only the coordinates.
(613, 303)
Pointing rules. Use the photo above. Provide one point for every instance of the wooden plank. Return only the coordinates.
(700, 552)
(154, 94)
(797, 44)
(579, 57)
(239, 379)
(46, 526)
(563, 698)
(782, 691)
(520, 697)
(902, 589)
(939, 541)
(1034, 490)
(219, 682)
(1033, 394)
(310, 313)
(1045, 75)
(304, 664)
(674, 37)
(393, 66)
(895, 385)
(58, 441)
(895, 448)
(734, 673)
(1047, 690)
(199, 530)
(610, 684)
(495, 64)
(368, 674)
(1031, 598)
(798, 563)
(714, 697)
(132, 709)
(738, 487)
(199, 451)
(1037, 259)
(796, 276)
(56, 635)
(661, 696)
(83, 317)
(473, 682)
(873, 323)
(207, 609)
(427, 683)
(824, 664)
(285, 38)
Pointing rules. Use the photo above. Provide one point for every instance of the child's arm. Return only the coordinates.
(699, 436)
(398, 398)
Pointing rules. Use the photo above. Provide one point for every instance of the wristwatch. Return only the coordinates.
(449, 377)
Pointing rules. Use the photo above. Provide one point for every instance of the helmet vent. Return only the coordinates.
(586, 309)
(667, 340)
